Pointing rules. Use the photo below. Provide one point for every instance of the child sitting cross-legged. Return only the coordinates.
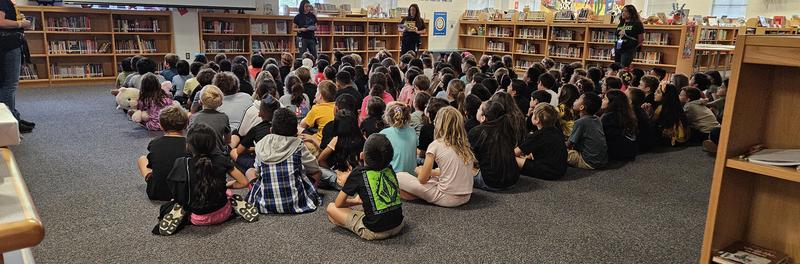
(284, 170)
(451, 184)
(542, 153)
(244, 153)
(162, 152)
(493, 144)
(589, 150)
(374, 186)
(341, 153)
(151, 100)
(199, 188)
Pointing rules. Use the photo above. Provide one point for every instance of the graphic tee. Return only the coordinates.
(380, 192)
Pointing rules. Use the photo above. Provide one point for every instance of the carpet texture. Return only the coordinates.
(79, 164)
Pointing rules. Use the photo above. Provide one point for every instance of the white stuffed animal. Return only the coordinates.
(127, 98)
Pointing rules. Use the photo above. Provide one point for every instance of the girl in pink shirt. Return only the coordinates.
(377, 84)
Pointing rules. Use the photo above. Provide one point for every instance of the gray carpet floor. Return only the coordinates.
(79, 165)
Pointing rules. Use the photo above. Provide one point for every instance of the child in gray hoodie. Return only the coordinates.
(283, 170)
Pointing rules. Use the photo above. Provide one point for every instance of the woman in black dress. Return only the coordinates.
(413, 27)
(630, 32)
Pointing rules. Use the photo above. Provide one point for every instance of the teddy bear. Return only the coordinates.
(127, 98)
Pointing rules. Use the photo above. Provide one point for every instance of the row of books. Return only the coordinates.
(604, 36)
(471, 14)
(34, 23)
(323, 30)
(656, 38)
(564, 15)
(532, 16)
(263, 28)
(349, 29)
(496, 46)
(713, 34)
(563, 34)
(601, 53)
(377, 44)
(271, 46)
(524, 64)
(532, 33)
(650, 57)
(528, 47)
(349, 44)
(76, 71)
(500, 32)
(137, 45)
(87, 46)
(219, 27)
(70, 24)
(378, 29)
(225, 45)
(571, 51)
(136, 25)
(28, 72)
(745, 253)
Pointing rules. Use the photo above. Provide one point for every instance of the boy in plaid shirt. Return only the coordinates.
(283, 170)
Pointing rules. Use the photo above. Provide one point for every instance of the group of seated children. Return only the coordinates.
(458, 123)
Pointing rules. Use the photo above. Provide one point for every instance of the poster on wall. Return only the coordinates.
(599, 7)
(439, 23)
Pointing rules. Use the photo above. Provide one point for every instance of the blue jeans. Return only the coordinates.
(328, 179)
(309, 45)
(10, 62)
(479, 183)
(624, 56)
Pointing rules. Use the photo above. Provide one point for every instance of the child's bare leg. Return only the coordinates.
(407, 196)
(336, 215)
(520, 162)
(234, 141)
(250, 174)
(142, 162)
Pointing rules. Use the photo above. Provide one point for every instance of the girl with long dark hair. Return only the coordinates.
(619, 126)
(630, 32)
(668, 118)
(493, 144)
(198, 183)
(342, 152)
(412, 26)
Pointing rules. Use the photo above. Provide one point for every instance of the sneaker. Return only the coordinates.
(169, 224)
(709, 146)
(24, 129)
(27, 123)
(244, 209)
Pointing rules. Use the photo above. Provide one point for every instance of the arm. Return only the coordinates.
(342, 201)
(7, 23)
(424, 172)
(240, 180)
(323, 156)
(639, 40)
(518, 152)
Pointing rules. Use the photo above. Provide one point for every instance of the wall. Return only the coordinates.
(770, 8)
(454, 10)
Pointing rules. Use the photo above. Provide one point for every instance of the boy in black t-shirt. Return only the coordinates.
(543, 153)
(374, 186)
(244, 154)
(163, 151)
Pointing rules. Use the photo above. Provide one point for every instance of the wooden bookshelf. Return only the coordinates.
(106, 26)
(567, 42)
(756, 203)
(363, 36)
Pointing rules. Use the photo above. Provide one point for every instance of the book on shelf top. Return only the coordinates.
(745, 253)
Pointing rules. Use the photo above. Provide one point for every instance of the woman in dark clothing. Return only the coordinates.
(631, 34)
(413, 27)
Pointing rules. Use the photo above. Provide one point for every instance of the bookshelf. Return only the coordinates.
(273, 35)
(79, 45)
(569, 41)
(756, 203)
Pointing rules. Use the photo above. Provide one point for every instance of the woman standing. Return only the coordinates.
(412, 26)
(306, 23)
(12, 40)
(631, 34)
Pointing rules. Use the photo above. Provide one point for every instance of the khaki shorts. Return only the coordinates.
(313, 149)
(355, 223)
(574, 159)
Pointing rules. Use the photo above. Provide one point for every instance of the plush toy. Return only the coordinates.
(167, 87)
(139, 116)
(127, 98)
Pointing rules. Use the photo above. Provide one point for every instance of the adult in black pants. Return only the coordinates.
(630, 32)
(306, 23)
(12, 43)
(412, 26)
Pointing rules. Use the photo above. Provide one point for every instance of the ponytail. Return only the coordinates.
(397, 114)
(205, 178)
(297, 94)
